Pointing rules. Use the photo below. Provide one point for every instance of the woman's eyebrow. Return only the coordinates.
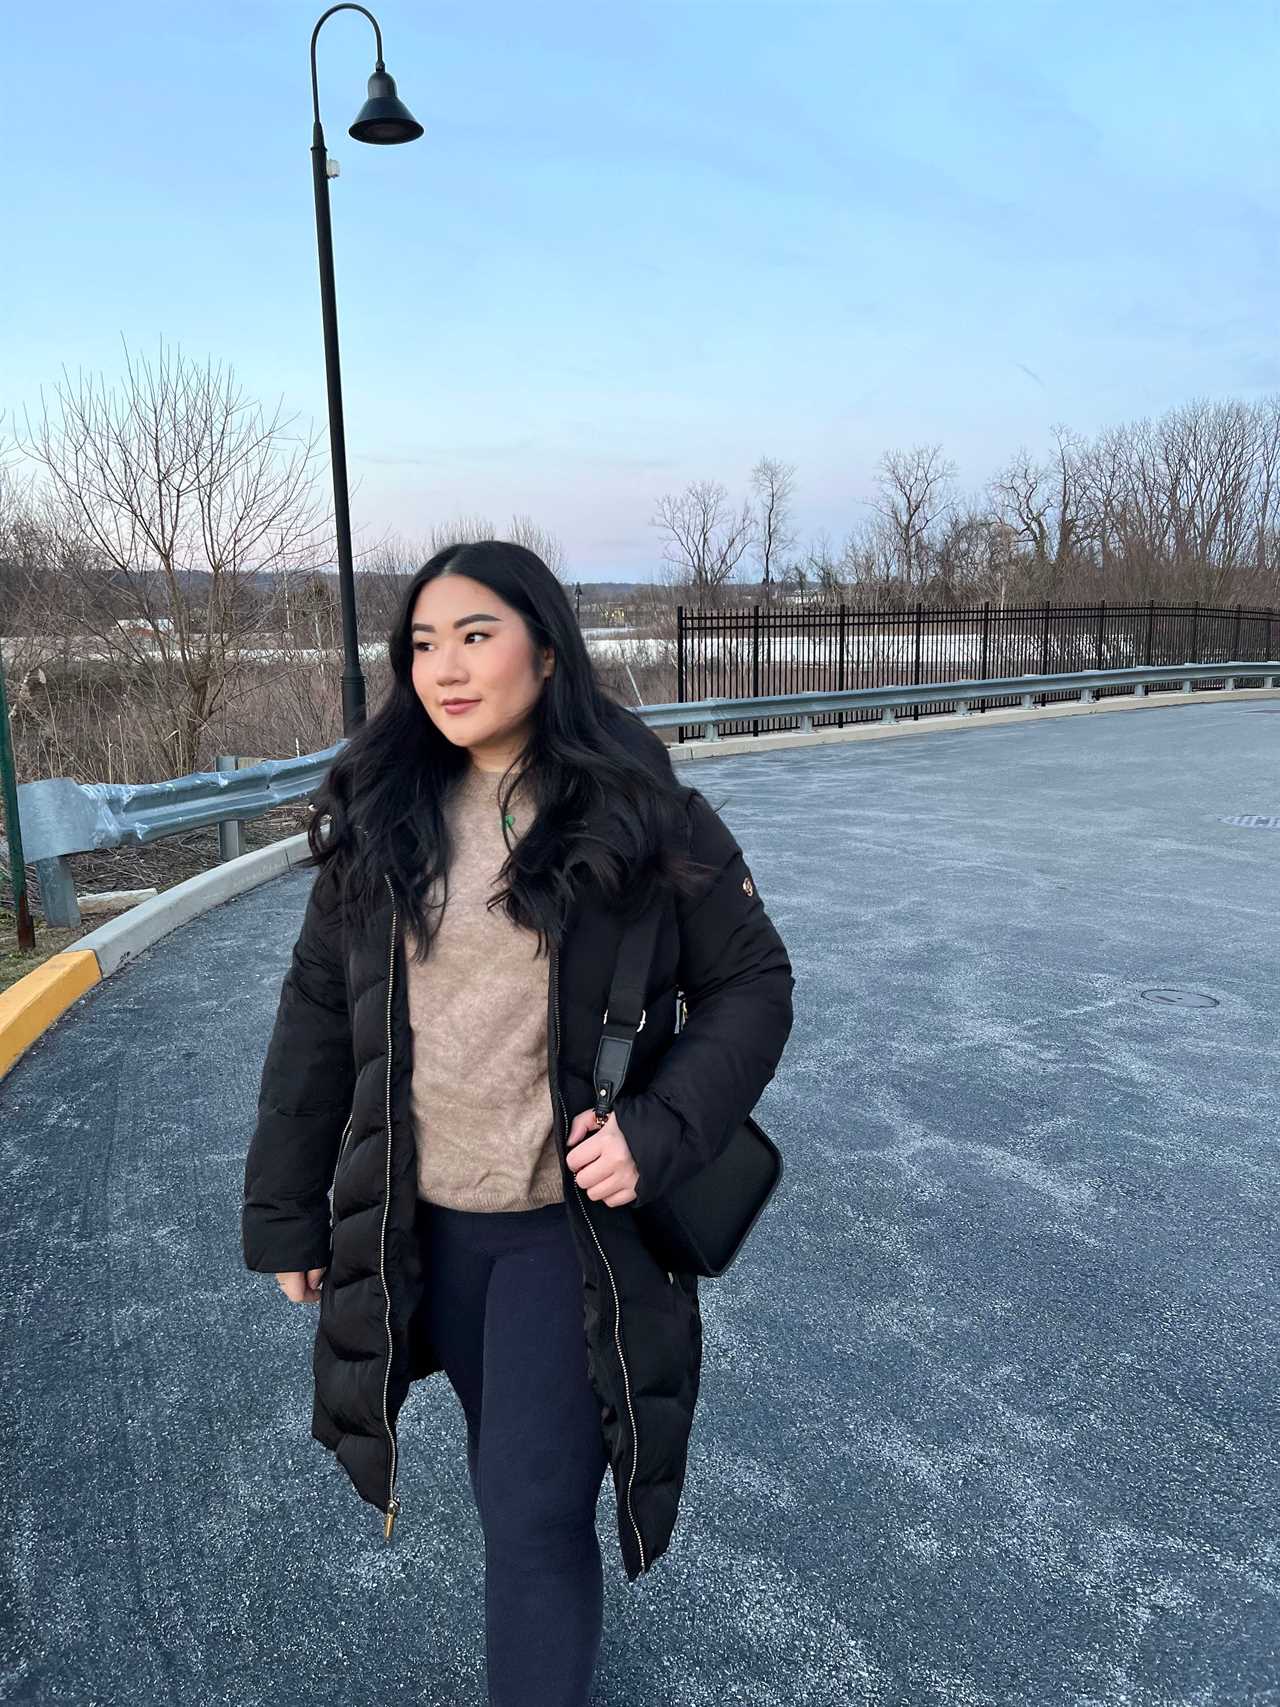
(479, 616)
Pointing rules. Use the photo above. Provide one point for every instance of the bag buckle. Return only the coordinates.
(612, 1058)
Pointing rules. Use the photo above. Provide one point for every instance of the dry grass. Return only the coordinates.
(158, 866)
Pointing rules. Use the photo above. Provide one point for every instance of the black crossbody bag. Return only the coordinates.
(700, 1226)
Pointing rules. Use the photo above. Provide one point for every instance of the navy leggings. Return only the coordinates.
(504, 1311)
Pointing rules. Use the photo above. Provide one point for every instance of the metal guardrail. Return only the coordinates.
(711, 713)
(59, 817)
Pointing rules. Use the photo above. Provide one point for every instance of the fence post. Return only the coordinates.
(679, 666)
(1151, 617)
(986, 634)
(755, 663)
(840, 663)
(1235, 638)
(1102, 617)
(229, 831)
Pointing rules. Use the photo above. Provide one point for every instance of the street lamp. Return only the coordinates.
(383, 119)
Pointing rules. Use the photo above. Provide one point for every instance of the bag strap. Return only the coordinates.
(625, 1013)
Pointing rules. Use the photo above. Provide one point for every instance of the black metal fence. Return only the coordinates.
(777, 649)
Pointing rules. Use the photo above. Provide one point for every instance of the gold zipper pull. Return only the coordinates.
(392, 1509)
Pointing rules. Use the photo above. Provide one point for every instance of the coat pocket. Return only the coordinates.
(342, 1147)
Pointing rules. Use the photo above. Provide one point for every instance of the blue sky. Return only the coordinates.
(645, 244)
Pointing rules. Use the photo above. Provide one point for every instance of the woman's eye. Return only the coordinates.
(473, 634)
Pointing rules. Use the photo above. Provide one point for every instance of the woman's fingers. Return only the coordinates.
(611, 1175)
(301, 1286)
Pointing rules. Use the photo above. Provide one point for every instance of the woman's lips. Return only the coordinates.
(461, 705)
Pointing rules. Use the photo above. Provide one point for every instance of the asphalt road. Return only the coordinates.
(989, 1413)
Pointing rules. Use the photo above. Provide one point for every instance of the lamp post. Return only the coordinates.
(382, 119)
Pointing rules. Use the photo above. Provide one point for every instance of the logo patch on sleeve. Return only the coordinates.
(748, 886)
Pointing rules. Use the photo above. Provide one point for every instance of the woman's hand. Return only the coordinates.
(602, 1164)
(302, 1287)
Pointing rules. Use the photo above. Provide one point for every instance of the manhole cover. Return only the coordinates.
(1252, 821)
(1180, 998)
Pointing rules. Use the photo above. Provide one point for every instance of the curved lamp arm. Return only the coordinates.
(347, 6)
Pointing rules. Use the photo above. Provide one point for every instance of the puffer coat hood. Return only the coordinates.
(331, 1172)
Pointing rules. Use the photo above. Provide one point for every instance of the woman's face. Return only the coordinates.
(468, 644)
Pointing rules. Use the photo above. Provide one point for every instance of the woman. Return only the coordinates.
(477, 862)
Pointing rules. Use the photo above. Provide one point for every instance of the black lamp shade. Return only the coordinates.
(384, 117)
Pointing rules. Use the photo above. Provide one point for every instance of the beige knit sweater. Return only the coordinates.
(478, 1010)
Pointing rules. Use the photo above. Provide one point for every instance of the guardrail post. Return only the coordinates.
(58, 892)
(1187, 685)
(229, 831)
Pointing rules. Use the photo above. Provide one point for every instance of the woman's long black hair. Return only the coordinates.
(380, 811)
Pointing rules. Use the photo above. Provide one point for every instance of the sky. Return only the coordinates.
(646, 244)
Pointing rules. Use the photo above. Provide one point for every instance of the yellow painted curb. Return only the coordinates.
(30, 1006)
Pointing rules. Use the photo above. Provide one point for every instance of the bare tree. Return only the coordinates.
(1266, 554)
(525, 531)
(467, 530)
(169, 497)
(705, 540)
(773, 483)
(975, 556)
(915, 488)
(821, 567)
(1040, 505)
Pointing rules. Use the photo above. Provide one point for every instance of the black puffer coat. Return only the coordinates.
(334, 1115)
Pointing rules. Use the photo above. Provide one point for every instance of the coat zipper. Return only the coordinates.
(393, 1504)
(617, 1307)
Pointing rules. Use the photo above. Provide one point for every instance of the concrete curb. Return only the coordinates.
(29, 1007)
(123, 939)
